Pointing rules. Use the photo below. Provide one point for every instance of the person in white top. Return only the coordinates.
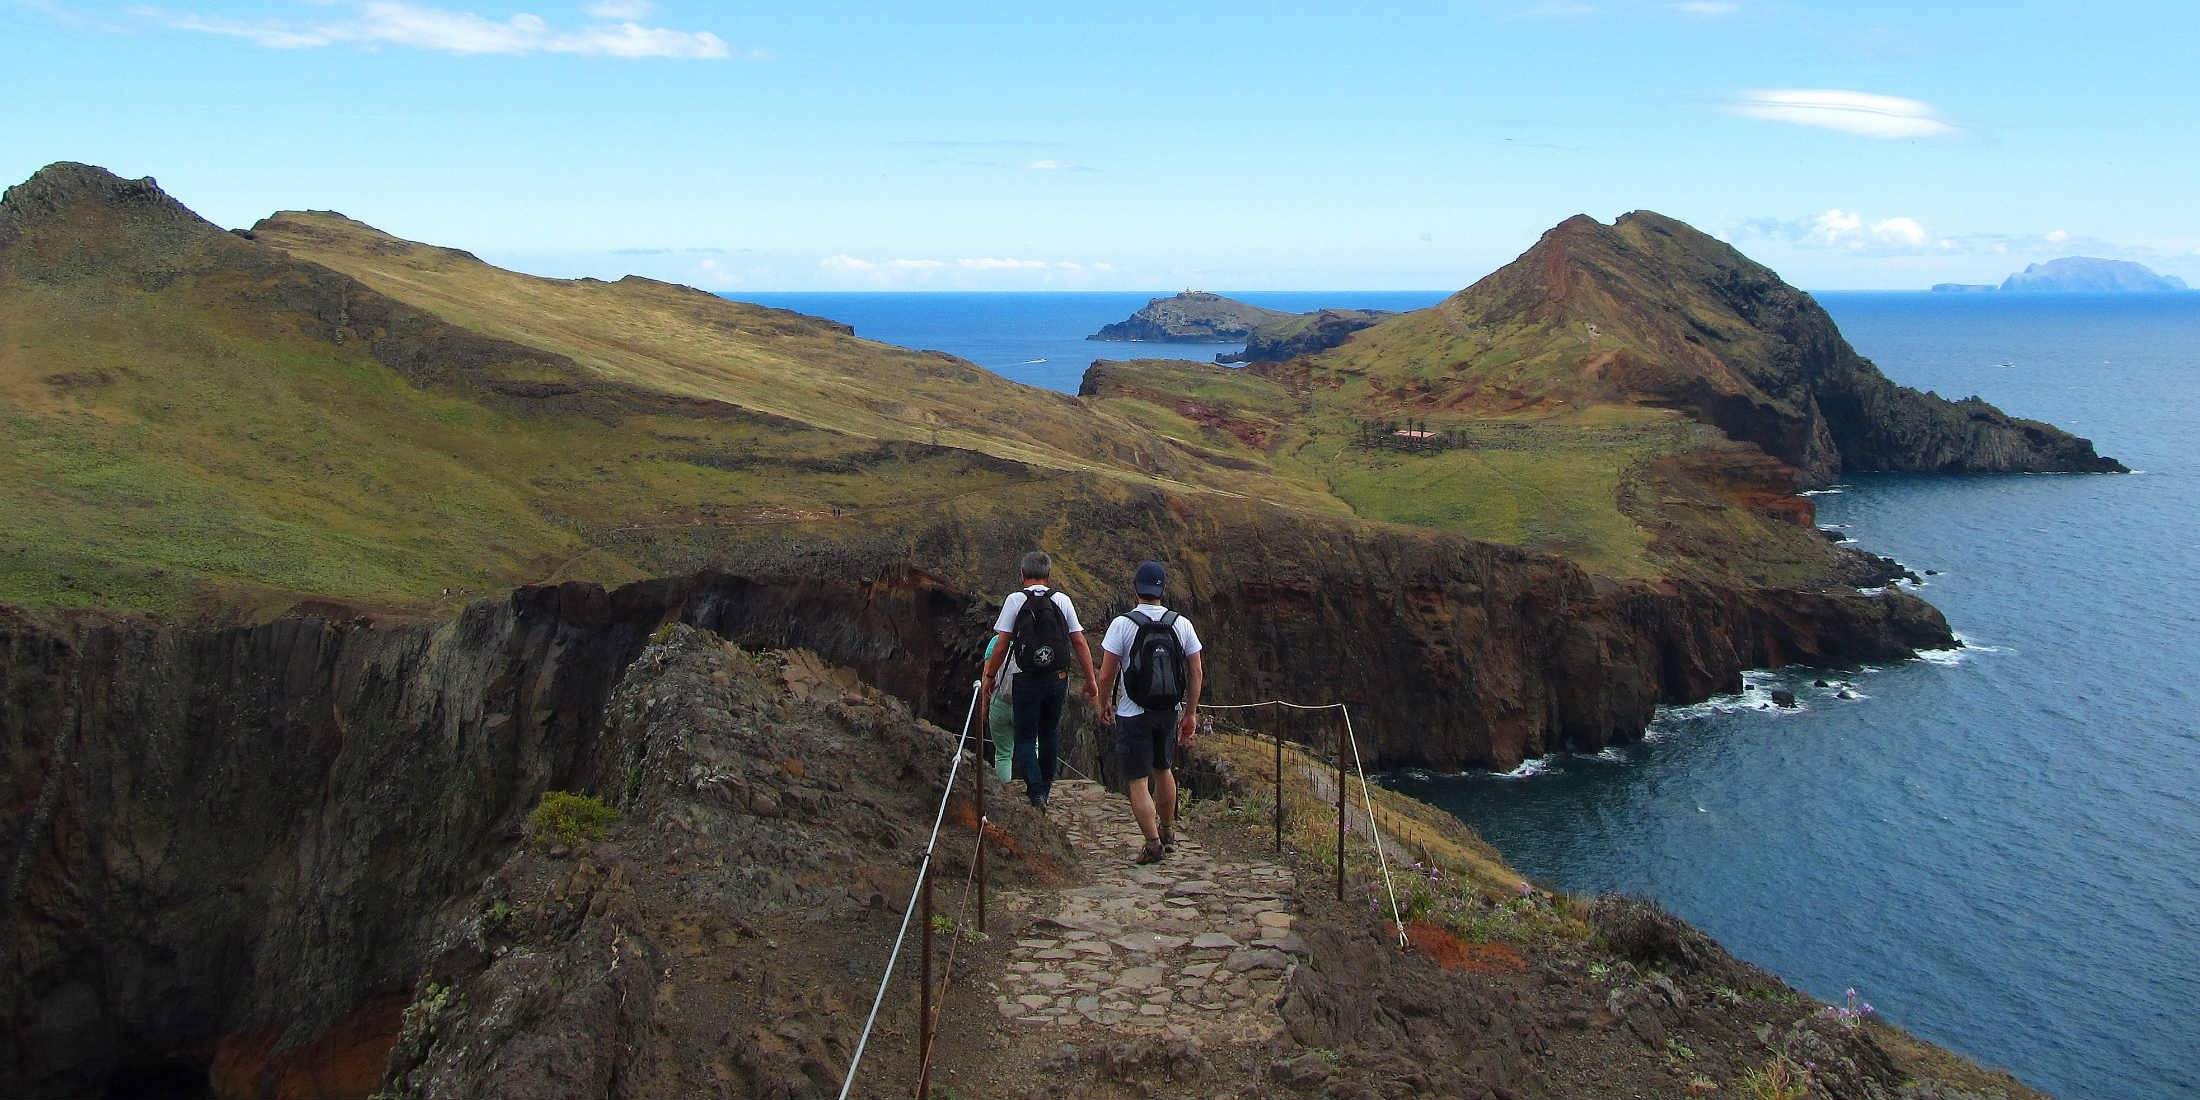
(1151, 662)
(1036, 633)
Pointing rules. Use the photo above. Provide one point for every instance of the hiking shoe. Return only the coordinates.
(1151, 853)
(1168, 842)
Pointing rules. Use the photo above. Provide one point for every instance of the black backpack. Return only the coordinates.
(1153, 670)
(1041, 640)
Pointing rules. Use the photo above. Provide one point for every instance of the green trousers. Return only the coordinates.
(1000, 724)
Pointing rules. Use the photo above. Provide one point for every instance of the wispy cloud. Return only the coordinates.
(1901, 235)
(1556, 9)
(1862, 113)
(1051, 164)
(1843, 229)
(845, 263)
(394, 23)
(1707, 9)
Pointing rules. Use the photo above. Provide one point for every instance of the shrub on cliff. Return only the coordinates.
(568, 820)
(1642, 932)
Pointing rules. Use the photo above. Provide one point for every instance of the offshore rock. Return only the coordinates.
(1193, 316)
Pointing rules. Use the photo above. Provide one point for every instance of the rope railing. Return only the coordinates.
(917, 894)
(931, 1012)
(1367, 798)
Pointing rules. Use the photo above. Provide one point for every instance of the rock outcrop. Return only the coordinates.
(1193, 316)
(718, 945)
(1304, 334)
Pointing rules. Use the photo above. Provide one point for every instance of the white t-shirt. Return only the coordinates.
(1118, 641)
(1014, 606)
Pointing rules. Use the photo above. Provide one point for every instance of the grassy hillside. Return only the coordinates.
(201, 420)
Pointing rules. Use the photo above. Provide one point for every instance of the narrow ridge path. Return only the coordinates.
(1196, 946)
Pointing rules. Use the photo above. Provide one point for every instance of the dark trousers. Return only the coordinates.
(1038, 703)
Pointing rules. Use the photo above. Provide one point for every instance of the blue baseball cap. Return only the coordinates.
(1150, 579)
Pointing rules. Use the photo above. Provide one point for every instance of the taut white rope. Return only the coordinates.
(1367, 799)
(923, 868)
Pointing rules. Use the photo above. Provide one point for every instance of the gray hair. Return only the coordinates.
(1037, 566)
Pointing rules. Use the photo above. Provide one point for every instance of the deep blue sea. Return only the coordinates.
(1039, 338)
(2000, 848)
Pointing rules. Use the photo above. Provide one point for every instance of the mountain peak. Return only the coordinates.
(65, 186)
(1651, 311)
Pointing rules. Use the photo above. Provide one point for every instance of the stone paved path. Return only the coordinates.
(1195, 945)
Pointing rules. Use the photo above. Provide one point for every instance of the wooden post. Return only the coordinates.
(1340, 813)
(924, 994)
(1279, 784)
(985, 764)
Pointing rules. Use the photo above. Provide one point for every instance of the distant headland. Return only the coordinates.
(2076, 275)
(1269, 335)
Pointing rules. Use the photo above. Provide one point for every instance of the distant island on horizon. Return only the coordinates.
(2076, 275)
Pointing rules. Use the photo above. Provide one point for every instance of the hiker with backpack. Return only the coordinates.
(1036, 633)
(1157, 708)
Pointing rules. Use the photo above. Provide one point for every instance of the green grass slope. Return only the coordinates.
(203, 421)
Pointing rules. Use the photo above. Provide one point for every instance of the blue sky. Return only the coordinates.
(774, 146)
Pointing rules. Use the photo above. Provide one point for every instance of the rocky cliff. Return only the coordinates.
(229, 847)
(1193, 316)
(215, 856)
(288, 861)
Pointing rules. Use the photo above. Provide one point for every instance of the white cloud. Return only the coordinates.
(1707, 9)
(1861, 113)
(1898, 236)
(844, 263)
(1000, 263)
(397, 23)
(1844, 229)
(1835, 226)
(1904, 232)
(620, 10)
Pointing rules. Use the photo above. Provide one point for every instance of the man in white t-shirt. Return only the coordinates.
(1043, 638)
(1152, 652)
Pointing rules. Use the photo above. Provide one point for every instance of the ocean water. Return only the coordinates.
(1039, 338)
(2000, 848)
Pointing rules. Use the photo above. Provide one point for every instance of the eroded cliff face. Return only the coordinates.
(227, 848)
